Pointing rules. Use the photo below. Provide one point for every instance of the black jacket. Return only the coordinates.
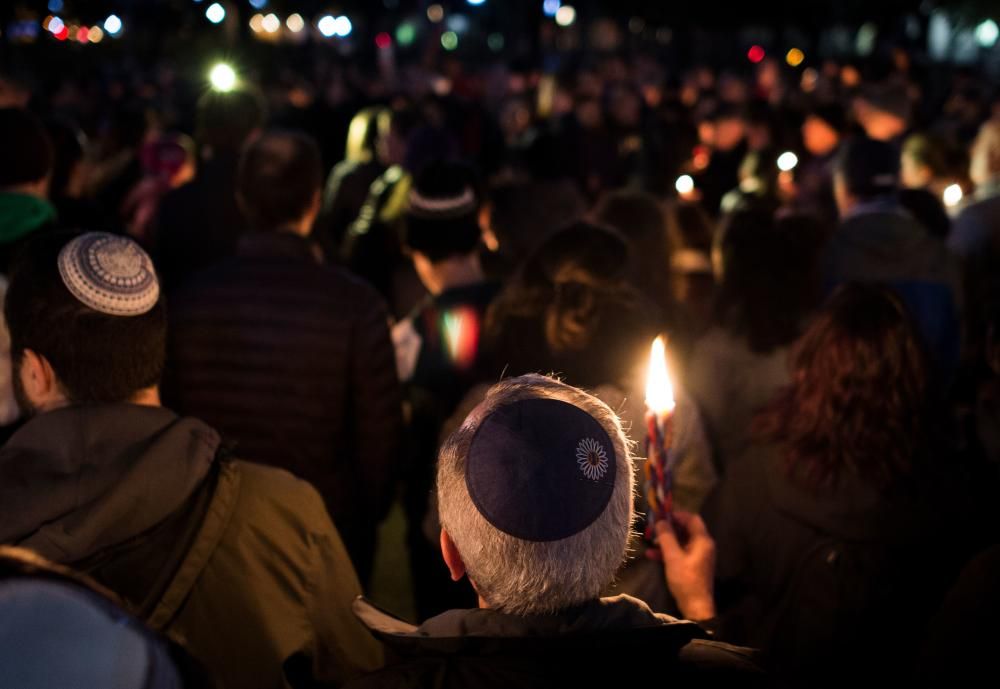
(612, 642)
(291, 360)
(199, 223)
(831, 583)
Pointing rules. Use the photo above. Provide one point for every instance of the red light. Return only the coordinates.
(82, 34)
(62, 34)
(383, 40)
(755, 54)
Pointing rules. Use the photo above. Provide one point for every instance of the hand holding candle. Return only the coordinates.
(659, 435)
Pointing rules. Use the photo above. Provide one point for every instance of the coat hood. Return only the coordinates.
(76, 480)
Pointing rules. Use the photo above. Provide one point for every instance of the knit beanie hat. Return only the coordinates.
(442, 216)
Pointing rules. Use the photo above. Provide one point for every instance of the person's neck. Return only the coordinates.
(149, 397)
(300, 228)
(457, 271)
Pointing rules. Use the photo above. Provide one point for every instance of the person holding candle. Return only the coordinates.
(535, 492)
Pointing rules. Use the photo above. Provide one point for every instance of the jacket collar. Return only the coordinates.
(76, 480)
(490, 630)
(276, 244)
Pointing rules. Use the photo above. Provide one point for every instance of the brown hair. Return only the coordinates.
(857, 402)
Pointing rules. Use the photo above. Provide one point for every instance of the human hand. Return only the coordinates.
(688, 553)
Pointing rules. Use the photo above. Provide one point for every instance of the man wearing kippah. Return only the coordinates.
(535, 492)
(238, 562)
(439, 351)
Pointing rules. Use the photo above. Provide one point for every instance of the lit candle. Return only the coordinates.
(659, 435)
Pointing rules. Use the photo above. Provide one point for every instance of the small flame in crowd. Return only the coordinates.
(659, 389)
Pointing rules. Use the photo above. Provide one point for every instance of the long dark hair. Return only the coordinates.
(769, 279)
(858, 399)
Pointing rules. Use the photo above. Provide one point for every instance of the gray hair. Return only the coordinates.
(527, 577)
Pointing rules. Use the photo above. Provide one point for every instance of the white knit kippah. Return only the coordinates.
(434, 208)
(110, 274)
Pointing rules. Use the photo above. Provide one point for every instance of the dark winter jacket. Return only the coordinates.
(237, 562)
(291, 360)
(199, 223)
(884, 244)
(612, 642)
(833, 582)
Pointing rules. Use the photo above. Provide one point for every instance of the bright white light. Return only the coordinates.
(215, 13)
(223, 77)
(476, 2)
(113, 24)
(257, 23)
(565, 15)
(295, 23)
(342, 26)
(327, 26)
(987, 33)
(952, 195)
(684, 184)
(787, 161)
(56, 25)
(271, 23)
(550, 7)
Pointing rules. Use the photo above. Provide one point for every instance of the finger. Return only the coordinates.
(667, 538)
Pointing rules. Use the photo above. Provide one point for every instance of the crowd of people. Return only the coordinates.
(227, 355)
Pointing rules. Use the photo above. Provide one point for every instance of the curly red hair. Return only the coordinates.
(859, 393)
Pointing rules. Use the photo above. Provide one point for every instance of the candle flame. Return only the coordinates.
(659, 389)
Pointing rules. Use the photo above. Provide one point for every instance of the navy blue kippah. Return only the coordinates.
(540, 469)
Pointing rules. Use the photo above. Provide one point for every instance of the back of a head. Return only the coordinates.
(523, 213)
(641, 219)
(571, 309)
(442, 215)
(363, 133)
(867, 168)
(91, 306)
(279, 179)
(225, 121)
(581, 270)
(689, 227)
(638, 216)
(927, 150)
(69, 144)
(769, 279)
(985, 163)
(28, 156)
(858, 398)
(535, 490)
